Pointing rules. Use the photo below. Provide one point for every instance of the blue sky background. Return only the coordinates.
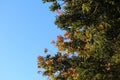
(26, 28)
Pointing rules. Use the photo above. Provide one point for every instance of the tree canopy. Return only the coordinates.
(90, 47)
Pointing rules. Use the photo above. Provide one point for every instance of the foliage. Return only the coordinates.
(90, 47)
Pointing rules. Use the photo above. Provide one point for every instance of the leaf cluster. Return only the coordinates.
(90, 47)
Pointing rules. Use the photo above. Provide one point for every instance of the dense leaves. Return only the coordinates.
(90, 47)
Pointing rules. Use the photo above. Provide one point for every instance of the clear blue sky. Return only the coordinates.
(26, 28)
